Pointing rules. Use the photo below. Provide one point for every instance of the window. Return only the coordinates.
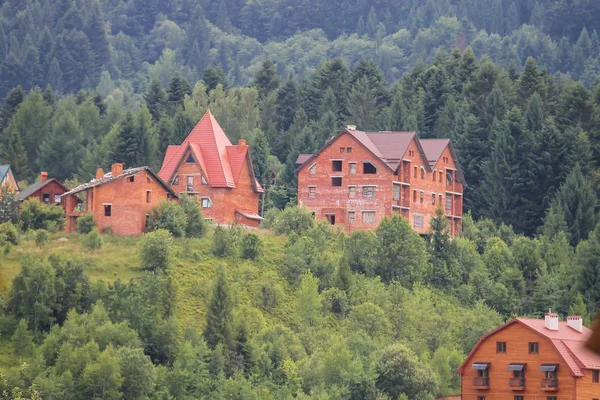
(433, 175)
(440, 176)
(415, 171)
(203, 180)
(46, 197)
(421, 197)
(422, 173)
(107, 210)
(418, 221)
(433, 199)
(414, 196)
(131, 179)
(176, 180)
(480, 397)
(518, 397)
(369, 168)
(336, 165)
(396, 192)
(190, 184)
(352, 168)
(206, 203)
(595, 376)
(368, 217)
(190, 159)
(349, 150)
(448, 178)
(312, 192)
(500, 347)
(411, 153)
(448, 202)
(313, 169)
(441, 197)
(534, 347)
(148, 196)
(342, 149)
(336, 181)
(351, 192)
(551, 398)
(351, 217)
(369, 191)
(57, 198)
(330, 218)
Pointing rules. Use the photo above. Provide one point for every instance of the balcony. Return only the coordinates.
(481, 383)
(549, 384)
(517, 383)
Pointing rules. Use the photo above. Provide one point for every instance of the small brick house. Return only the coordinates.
(358, 178)
(532, 359)
(221, 175)
(48, 191)
(119, 200)
(7, 178)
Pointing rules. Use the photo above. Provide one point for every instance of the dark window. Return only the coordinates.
(534, 347)
(480, 397)
(414, 196)
(518, 397)
(337, 181)
(148, 196)
(369, 168)
(349, 150)
(131, 179)
(415, 168)
(190, 159)
(312, 191)
(176, 180)
(551, 398)
(595, 376)
(46, 197)
(422, 173)
(336, 165)
(331, 218)
(342, 149)
(500, 347)
(107, 210)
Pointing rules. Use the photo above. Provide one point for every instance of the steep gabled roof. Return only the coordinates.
(434, 148)
(108, 177)
(569, 343)
(4, 168)
(35, 187)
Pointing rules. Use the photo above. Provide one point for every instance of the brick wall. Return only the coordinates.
(52, 189)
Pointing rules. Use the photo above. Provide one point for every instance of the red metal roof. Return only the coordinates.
(220, 160)
(569, 343)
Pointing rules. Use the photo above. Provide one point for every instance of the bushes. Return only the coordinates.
(223, 244)
(181, 220)
(156, 250)
(196, 225)
(86, 224)
(93, 240)
(10, 233)
(41, 238)
(36, 215)
(252, 246)
(293, 219)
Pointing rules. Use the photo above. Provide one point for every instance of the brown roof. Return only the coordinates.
(434, 148)
(37, 186)
(568, 342)
(302, 158)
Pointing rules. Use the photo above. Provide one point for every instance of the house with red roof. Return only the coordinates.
(358, 178)
(218, 173)
(533, 359)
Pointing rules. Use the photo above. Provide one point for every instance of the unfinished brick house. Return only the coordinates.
(48, 191)
(221, 175)
(7, 178)
(119, 200)
(358, 178)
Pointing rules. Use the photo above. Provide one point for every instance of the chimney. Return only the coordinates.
(242, 143)
(117, 169)
(43, 176)
(351, 127)
(551, 321)
(99, 173)
(575, 322)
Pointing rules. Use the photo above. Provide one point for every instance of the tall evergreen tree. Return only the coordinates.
(266, 80)
(219, 317)
(178, 88)
(128, 144)
(156, 100)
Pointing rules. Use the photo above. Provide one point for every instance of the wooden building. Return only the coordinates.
(48, 191)
(527, 359)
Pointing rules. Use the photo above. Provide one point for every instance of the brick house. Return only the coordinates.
(7, 178)
(221, 175)
(48, 191)
(532, 359)
(358, 178)
(119, 200)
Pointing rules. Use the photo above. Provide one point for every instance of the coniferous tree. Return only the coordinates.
(219, 317)
(287, 103)
(260, 153)
(156, 100)
(214, 76)
(178, 89)
(63, 143)
(128, 144)
(165, 132)
(266, 80)
(362, 105)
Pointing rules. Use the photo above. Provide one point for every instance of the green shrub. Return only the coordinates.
(86, 223)
(223, 242)
(37, 215)
(170, 216)
(156, 250)
(252, 246)
(196, 225)
(93, 240)
(10, 233)
(269, 218)
(41, 238)
(293, 219)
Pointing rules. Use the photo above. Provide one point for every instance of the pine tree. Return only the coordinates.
(156, 100)
(165, 133)
(13, 153)
(61, 152)
(128, 144)
(178, 89)
(260, 153)
(531, 81)
(369, 70)
(363, 105)
(12, 101)
(145, 133)
(360, 27)
(588, 261)
(372, 23)
(534, 114)
(578, 308)
(266, 80)
(214, 76)
(287, 103)
(397, 111)
(219, 317)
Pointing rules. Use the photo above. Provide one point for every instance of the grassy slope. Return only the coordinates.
(194, 270)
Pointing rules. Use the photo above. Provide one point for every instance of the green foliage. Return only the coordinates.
(156, 250)
(170, 216)
(224, 242)
(86, 223)
(196, 225)
(293, 219)
(10, 233)
(218, 329)
(252, 246)
(8, 206)
(36, 215)
(93, 240)
(22, 340)
(41, 237)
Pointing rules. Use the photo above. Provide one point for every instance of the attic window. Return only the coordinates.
(313, 169)
(131, 179)
(342, 149)
(176, 180)
(369, 168)
(336, 165)
(349, 150)
(204, 181)
(422, 173)
(190, 159)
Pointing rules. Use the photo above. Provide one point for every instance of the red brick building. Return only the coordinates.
(119, 200)
(358, 178)
(221, 175)
(48, 191)
(543, 359)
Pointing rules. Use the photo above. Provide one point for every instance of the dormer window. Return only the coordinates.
(190, 159)
(176, 180)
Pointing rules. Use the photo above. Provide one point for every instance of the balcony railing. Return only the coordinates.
(549, 384)
(481, 382)
(517, 383)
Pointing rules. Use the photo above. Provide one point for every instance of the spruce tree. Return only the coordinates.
(178, 88)
(363, 105)
(214, 76)
(266, 80)
(219, 317)
(165, 133)
(260, 153)
(588, 261)
(156, 100)
(531, 81)
(145, 133)
(128, 144)
(287, 103)
(62, 150)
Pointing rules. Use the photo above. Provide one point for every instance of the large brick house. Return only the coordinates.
(48, 191)
(119, 200)
(358, 178)
(221, 175)
(543, 359)
(7, 178)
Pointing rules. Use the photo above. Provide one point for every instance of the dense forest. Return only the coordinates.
(305, 312)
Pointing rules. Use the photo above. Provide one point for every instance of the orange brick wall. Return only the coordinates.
(330, 200)
(224, 200)
(517, 338)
